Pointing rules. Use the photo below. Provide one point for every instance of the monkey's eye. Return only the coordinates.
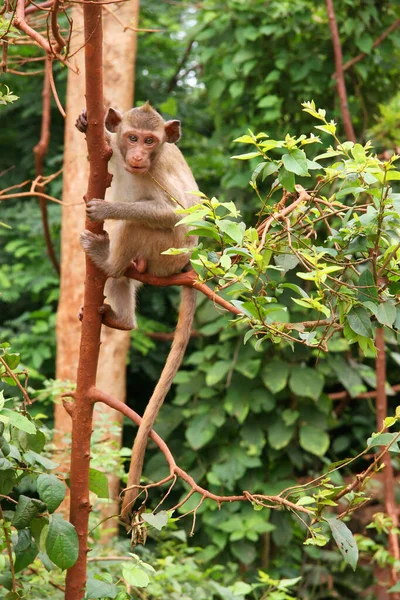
(149, 141)
(132, 138)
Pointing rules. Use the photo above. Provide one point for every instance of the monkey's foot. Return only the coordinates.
(96, 246)
(81, 123)
(114, 321)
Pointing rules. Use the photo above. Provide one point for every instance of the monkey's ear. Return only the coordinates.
(173, 131)
(113, 119)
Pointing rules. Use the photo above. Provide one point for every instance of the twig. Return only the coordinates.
(4, 54)
(40, 151)
(388, 476)
(376, 43)
(125, 27)
(55, 28)
(49, 69)
(9, 551)
(51, 198)
(340, 83)
(17, 382)
(20, 23)
(174, 78)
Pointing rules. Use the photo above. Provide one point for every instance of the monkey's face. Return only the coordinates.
(141, 147)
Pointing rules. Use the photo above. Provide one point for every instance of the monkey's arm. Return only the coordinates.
(151, 213)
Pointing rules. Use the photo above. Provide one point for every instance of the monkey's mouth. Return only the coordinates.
(136, 170)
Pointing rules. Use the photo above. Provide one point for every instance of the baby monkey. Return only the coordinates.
(150, 180)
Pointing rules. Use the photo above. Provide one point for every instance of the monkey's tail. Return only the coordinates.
(181, 338)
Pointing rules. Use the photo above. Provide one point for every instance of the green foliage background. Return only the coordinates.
(237, 418)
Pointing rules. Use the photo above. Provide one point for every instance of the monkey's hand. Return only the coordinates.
(81, 123)
(99, 210)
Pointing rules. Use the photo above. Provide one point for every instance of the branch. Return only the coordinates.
(340, 83)
(40, 151)
(20, 23)
(376, 43)
(9, 551)
(82, 415)
(96, 395)
(55, 29)
(187, 279)
(174, 78)
(388, 476)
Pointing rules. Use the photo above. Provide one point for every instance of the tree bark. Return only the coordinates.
(119, 63)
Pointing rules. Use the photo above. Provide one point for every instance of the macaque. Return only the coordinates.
(150, 180)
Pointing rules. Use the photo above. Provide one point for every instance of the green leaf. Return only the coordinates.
(348, 376)
(217, 372)
(274, 375)
(269, 168)
(237, 404)
(247, 156)
(279, 434)
(51, 491)
(367, 290)
(62, 543)
(33, 457)
(286, 179)
(249, 368)
(386, 313)
(98, 588)
(234, 230)
(98, 483)
(241, 588)
(135, 576)
(19, 421)
(384, 439)
(25, 550)
(306, 382)
(345, 541)
(296, 162)
(313, 440)
(245, 139)
(7, 481)
(158, 520)
(200, 431)
(359, 321)
(27, 509)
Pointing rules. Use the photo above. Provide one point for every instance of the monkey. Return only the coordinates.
(150, 180)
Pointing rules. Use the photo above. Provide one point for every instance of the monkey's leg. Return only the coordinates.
(121, 295)
(97, 247)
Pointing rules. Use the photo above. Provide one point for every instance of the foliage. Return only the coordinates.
(30, 493)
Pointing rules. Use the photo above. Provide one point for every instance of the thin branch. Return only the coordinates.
(20, 23)
(49, 69)
(182, 62)
(340, 83)
(55, 28)
(376, 43)
(9, 551)
(388, 475)
(40, 151)
(40, 194)
(17, 382)
(126, 27)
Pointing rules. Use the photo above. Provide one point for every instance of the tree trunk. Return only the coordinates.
(119, 63)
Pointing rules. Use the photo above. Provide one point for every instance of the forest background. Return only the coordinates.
(239, 417)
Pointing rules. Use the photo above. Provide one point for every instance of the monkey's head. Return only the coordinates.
(141, 133)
